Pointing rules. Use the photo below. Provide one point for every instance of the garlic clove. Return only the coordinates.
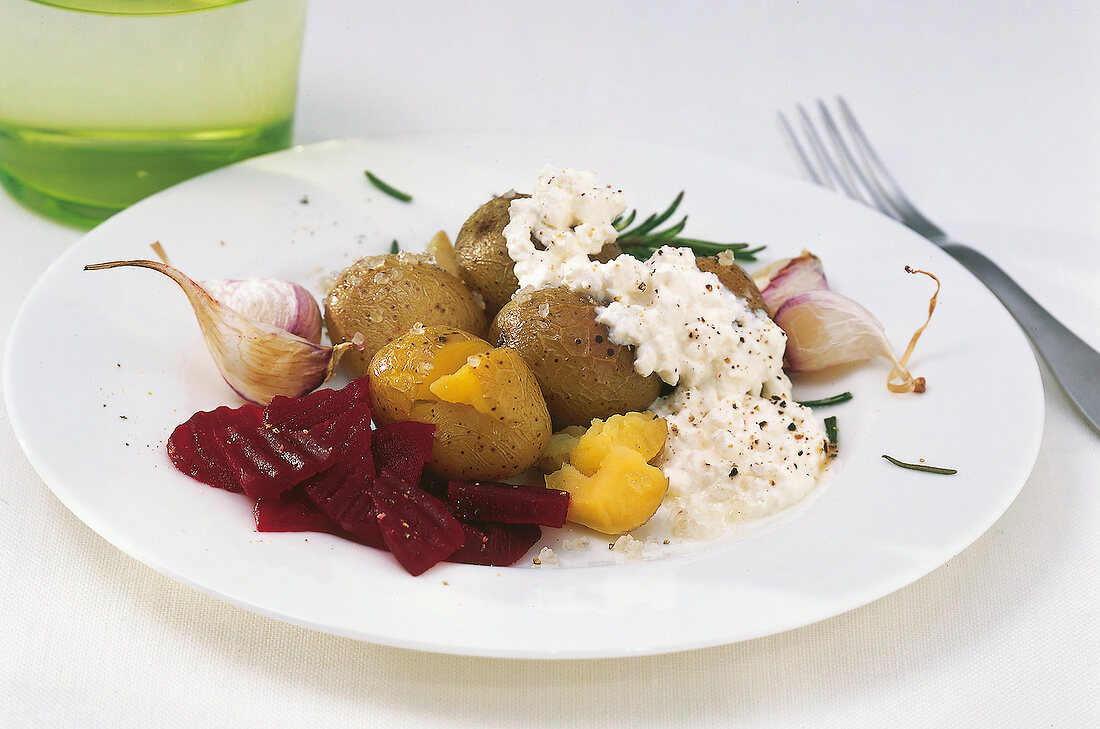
(825, 329)
(258, 360)
(283, 304)
(783, 279)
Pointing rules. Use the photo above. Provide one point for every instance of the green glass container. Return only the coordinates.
(104, 102)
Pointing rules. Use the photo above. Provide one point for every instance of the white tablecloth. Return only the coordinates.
(989, 112)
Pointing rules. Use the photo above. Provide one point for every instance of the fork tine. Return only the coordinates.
(869, 194)
(882, 178)
(833, 178)
(799, 152)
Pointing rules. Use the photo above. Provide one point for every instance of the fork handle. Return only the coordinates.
(1073, 362)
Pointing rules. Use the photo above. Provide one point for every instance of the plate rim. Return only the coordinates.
(142, 555)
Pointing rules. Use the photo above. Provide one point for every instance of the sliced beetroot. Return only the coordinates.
(193, 448)
(416, 526)
(342, 493)
(349, 435)
(403, 448)
(319, 406)
(267, 461)
(361, 520)
(499, 545)
(507, 503)
(293, 512)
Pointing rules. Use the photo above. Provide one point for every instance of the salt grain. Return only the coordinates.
(548, 557)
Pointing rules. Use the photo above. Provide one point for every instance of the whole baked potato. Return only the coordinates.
(734, 278)
(382, 297)
(481, 253)
(490, 416)
(582, 373)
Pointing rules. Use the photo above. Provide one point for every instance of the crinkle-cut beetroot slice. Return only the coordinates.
(417, 527)
(319, 406)
(342, 493)
(268, 461)
(293, 512)
(403, 448)
(349, 436)
(507, 503)
(361, 520)
(499, 545)
(193, 448)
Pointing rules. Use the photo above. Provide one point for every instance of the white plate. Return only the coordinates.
(102, 365)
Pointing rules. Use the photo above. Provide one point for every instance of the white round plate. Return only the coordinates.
(102, 365)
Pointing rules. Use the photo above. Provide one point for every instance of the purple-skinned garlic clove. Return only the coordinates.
(283, 304)
(783, 279)
(259, 360)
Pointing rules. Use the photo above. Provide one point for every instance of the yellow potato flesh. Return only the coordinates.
(622, 495)
(613, 488)
(642, 432)
(464, 387)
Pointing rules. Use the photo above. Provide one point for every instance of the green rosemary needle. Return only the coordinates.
(920, 466)
(826, 401)
(395, 247)
(643, 240)
(387, 188)
(832, 444)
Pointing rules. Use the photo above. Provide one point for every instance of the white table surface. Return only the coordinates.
(988, 112)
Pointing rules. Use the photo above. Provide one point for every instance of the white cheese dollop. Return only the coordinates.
(738, 447)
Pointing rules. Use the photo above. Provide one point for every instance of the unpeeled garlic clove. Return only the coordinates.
(283, 304)
(258, 360)
(825, 329)
(783, 279)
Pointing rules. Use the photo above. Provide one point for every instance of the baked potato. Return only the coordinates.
(735, 279)
(490, 416)
(583, 375)
(481, 253)
(382, 297)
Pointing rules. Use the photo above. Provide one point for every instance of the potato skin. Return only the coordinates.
(734, 278)
(469, 444)
(582, 374)
(382, 297)
(482, 253)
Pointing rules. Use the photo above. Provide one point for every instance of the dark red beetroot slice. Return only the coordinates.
(498, 545)
(293, 512)
(319, 406)
(415, 525)
(403, 448)
(342, 491)
(507, 503)
(267, 461)
(343, 495)
(349, 435)
(194, 449)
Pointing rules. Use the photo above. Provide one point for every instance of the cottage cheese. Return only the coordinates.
(739, 447)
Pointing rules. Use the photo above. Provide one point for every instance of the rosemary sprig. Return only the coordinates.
(832, 437)
(387, 188)
(920, 466)
(395, 248)
(644, 239)
(826, 401)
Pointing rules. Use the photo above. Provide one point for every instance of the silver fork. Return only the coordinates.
(862, 176)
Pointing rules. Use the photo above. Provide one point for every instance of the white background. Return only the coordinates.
(989, 114)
